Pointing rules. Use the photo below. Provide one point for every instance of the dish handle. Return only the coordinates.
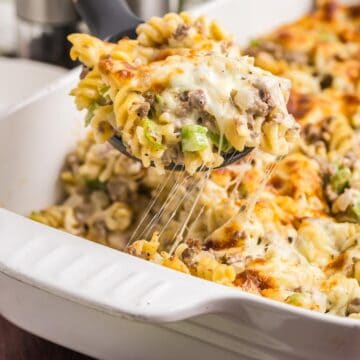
(93, 274)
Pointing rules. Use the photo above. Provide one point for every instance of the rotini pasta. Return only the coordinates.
(88, 49)
(177, 99)
(181, 31)
(88, 90)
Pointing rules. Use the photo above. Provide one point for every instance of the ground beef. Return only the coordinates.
(197, 99)
(121, 190)
(326, 81)
(318, 132)
(100, 229)
(354, 306)
(143, 110)
(278, 52)
(312, 133)
(72, 162)
(84, 72)
(349, 160)
(296, 57)
(181, 32)
(209, 121)
(190, 253)
(83, 212)
(149, 97)
(194, 99)
(264, 103)
(255, 101)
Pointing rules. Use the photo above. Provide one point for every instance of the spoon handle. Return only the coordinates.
(106, 17)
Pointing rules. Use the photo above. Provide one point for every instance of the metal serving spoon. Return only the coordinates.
(112, 20)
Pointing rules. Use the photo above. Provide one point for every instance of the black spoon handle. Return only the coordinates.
(106, 17)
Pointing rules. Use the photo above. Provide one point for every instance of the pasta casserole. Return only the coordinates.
(289, 232)
(181, 105)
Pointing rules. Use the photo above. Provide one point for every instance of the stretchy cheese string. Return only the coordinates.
(178, 237)
(160, 188)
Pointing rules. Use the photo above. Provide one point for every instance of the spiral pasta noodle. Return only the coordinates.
(341, 135)
(210, 269)
(179, 30)
(87, 91)
(88, 49)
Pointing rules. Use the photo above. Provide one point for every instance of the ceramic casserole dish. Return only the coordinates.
(111, 305)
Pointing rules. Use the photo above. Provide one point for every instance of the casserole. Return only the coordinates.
(58, 285)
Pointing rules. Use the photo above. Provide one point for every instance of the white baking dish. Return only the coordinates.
(113, 306)
(37, 76)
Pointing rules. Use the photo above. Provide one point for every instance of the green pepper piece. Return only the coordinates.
(105, 98)
(152, 112)
(94, 184)
(296, 299)
(354, 212)
(152, 136)
(340, 180)
(158, 98)
(215, 139)
(90, 113)
(328, 36)
(254, 43)
(194, 138)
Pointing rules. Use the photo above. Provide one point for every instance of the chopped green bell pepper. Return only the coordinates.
(340, 180)
(152, 135)
(194, 138)
(90, 113)
(254, 43)
(296, 299)
(354, 212)
(216, 138)
(105, 98)
(94, 184)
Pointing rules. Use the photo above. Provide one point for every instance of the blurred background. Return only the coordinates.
(34, 50)
(37, 29)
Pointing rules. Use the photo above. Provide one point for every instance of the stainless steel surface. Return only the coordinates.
(46, 11)
(145, 9)
(43, 27)
(44, 42)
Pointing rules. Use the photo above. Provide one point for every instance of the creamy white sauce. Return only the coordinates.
(220, 78)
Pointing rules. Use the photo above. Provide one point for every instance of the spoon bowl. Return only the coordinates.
(229, 157)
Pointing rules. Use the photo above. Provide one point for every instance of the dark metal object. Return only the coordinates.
(145, 9)
(55, 12)
(114, 17)
(43, 26)
(107, 17)
(229, 157)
